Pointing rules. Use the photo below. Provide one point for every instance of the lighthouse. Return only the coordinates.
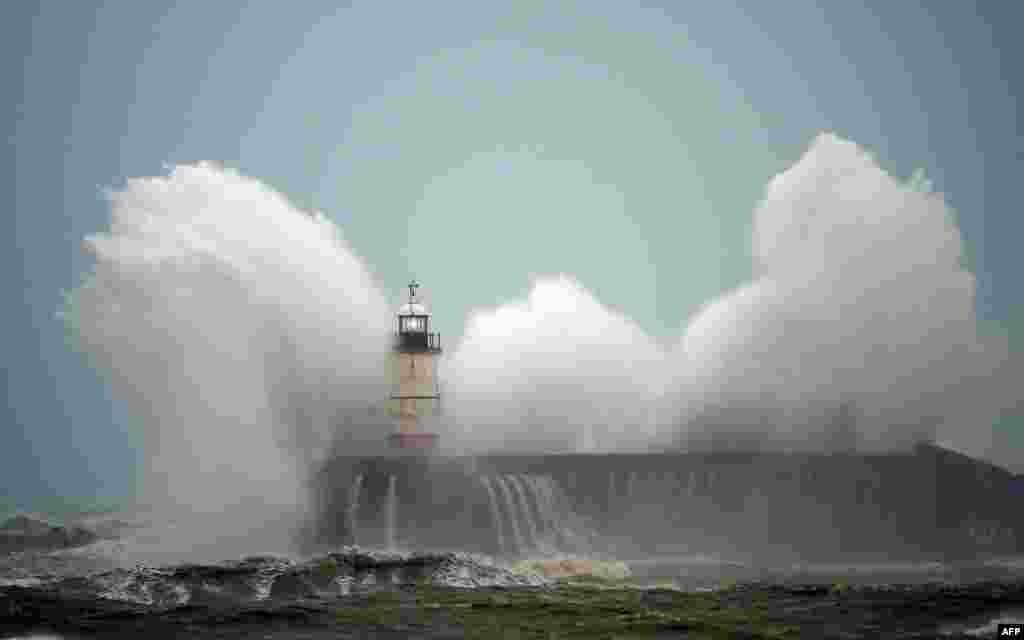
(415, 397)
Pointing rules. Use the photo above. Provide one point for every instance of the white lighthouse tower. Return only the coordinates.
(416, 396)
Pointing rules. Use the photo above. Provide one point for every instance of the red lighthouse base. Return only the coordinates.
(418, 440)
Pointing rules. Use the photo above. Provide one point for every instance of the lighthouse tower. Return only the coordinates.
(415, 396)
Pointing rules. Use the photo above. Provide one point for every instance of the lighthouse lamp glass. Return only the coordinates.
(413, 324)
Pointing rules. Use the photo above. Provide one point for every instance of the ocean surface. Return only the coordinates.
(142, 541)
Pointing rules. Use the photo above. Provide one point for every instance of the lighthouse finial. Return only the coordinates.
(412, 290)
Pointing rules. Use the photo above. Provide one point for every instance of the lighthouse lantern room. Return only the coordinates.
(416, 397)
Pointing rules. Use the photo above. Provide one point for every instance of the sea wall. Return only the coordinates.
(929, 502)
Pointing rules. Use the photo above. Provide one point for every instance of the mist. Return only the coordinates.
(860, 297)
(239, 331)
(556, 372)
(249, 341)
(861, 311)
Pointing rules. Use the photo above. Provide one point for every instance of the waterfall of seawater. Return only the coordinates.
(391, 507)
(547, 500)
(528, 517)
(554, 504)
(355, 492)
(513, 515)
(499, 526)
(530, 513)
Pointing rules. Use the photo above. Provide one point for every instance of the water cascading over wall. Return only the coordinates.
(410, 503)
(928, 502)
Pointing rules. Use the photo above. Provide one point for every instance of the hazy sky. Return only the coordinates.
(474, 144)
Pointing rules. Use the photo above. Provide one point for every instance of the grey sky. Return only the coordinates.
(473, 144)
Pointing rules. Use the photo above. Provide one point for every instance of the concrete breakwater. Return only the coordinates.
(930, 502)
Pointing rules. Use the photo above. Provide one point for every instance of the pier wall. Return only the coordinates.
(928, 502)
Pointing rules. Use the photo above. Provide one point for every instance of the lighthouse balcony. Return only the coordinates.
(417, 342)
